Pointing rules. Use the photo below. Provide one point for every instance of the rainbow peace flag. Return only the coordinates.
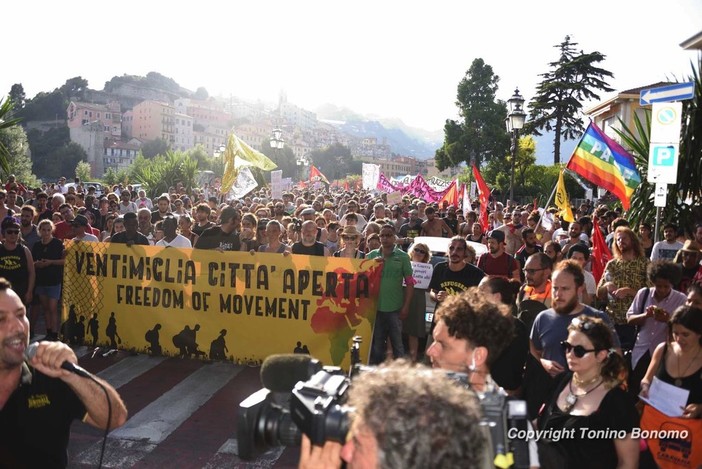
(605, 163)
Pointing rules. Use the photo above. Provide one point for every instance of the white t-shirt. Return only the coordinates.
(179, 241)
(88, 237)
(590, 285)
(665, 250)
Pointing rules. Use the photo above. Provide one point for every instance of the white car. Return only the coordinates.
(439, 247)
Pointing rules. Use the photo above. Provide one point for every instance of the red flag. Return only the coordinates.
(317, 176)
(452, 195)
(484, 198)
(346, 186)
(600, 252)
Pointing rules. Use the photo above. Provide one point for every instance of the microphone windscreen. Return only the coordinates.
(280, 373)
(31, 350)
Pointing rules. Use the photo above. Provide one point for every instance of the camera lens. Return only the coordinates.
(276, 428)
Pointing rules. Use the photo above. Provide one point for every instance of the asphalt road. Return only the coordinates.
(182, 413)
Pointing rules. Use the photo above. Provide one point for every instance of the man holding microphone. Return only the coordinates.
(40, 397)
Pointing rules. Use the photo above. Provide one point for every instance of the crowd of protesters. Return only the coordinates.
(649, 296)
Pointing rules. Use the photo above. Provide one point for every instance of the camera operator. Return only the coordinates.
(405, 417)
(470, 334)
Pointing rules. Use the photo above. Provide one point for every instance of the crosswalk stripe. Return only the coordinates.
(126, 370)
(141, 434)
(227, 456)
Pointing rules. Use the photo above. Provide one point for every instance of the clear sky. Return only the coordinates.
(384, 58)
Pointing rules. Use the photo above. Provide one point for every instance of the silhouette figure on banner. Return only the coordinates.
(218, 347)
(80, 330)
(69, 326)
(152, 337)
(301, 349)
(186, 343)
(111, 331)
(94, 327)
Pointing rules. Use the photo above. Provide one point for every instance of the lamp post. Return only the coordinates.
(277, 142)
(515, 122)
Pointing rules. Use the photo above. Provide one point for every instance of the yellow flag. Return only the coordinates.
(238, 154)
(562, 200)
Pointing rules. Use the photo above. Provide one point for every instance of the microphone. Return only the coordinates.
(31, 351)
(280, 373)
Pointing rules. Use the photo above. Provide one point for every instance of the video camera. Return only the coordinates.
(275, 416)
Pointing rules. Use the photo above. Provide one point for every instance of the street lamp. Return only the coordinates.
(277, 142)
(515, 122)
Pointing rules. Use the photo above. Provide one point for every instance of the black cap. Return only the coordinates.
(80, 220)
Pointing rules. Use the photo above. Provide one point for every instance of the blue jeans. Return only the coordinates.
(387, 325)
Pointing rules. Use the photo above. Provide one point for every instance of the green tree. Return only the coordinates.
(164, 171)
(44, 147)
(201, 94)
(74, 88)
(497, 171)
(83, 171)
(14, 140)
(154, 148)
(7, 121)
(17, 96)
(479, 135)
(284, 158)
(112, 177)
(334, 161)
(557, 104)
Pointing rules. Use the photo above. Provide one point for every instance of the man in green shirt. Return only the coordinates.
(394, 300)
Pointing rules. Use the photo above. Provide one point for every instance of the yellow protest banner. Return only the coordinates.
(231, 305)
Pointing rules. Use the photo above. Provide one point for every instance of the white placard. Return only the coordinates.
(394, 198)
(669, 399)
(421, 272)
(277, 184)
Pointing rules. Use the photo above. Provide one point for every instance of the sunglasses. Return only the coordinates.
(11, 231)
(349, 237)
(578, 350)
(420, 251)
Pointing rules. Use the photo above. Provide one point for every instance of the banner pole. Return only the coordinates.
(553, 192)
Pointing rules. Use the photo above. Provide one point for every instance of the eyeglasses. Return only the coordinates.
(532, 271)
(347, 238)
(13, 232)
(387, 235)
(578, 350)
(420, 251)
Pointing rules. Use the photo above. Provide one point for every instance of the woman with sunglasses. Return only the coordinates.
(589, 419)
(414, 327)
(350, 239)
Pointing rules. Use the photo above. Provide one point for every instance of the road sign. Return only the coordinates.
(667, 94)
(665, 122)
(661, 195)
(663, 163)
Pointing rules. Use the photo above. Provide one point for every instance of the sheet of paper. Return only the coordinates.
(669, 399)
(421, 272)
